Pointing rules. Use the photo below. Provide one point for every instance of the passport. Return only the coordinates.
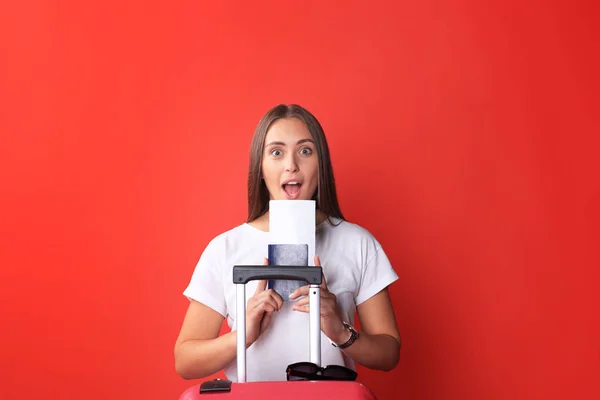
(287, 255)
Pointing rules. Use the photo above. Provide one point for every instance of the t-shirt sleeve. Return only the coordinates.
(377, 273)
(206, 284)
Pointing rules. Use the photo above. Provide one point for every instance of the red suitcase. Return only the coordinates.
(298, 389)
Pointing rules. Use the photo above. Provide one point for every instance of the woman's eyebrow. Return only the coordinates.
(305, 141)
(283, 144)
(276, 144)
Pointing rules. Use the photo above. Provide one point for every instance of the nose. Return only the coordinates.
(291, 164)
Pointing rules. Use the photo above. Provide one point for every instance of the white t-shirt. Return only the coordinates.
(355, 268)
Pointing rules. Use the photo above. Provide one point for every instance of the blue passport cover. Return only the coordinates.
(289, 255)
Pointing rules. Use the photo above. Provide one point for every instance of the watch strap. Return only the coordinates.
(353, 336)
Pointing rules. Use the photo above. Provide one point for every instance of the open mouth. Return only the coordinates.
(292, 189)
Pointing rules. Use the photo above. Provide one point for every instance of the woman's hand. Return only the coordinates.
(331, 320)
(259, 310)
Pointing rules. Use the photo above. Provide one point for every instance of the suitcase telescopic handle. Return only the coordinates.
(242, 274)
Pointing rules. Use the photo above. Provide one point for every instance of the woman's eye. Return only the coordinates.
(306, 151)
(276, 152)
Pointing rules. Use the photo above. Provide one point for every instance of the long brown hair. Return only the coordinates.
(258, 194)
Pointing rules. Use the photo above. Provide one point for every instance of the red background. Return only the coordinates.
(462, 135)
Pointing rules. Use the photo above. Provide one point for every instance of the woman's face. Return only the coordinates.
(290, 165)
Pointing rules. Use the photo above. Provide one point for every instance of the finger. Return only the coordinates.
(269, 307)
(299, 292)
(261, 286)
(273, 298)
(274, 301)
(265, 306)
(318, 264)
(305, 308)
(277, 298)
(302, 302)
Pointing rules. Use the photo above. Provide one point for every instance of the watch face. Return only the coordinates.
(350, 328)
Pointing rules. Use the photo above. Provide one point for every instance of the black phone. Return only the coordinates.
(215, 386)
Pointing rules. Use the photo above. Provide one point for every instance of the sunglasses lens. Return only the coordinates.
(304, 368)
(310, 371)
(339, 373)
(301, 371)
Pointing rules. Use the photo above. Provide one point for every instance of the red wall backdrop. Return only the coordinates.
(463, 136)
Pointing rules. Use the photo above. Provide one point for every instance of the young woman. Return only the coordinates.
(289, 159)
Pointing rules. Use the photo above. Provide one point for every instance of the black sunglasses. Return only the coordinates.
(307, 371)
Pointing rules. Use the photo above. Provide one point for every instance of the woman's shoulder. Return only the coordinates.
(347, 230)
(231, 237)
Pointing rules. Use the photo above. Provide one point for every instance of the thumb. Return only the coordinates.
(318, 264)
(262, 284)
(317, 261)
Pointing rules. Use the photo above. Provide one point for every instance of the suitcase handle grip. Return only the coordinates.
(243, 274)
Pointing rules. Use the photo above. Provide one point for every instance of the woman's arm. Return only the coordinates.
(378, 346)
(199, 351)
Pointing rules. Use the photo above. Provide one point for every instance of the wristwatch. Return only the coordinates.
(353, 336)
